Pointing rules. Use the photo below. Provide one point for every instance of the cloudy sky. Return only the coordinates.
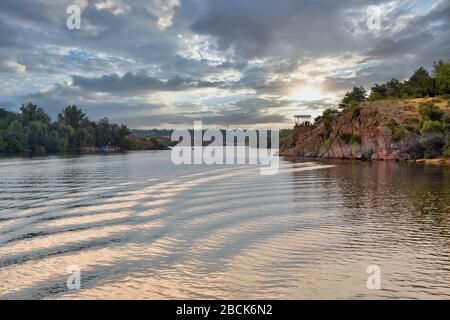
(248, 63)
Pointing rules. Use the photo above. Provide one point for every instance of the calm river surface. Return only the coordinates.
(138, 226)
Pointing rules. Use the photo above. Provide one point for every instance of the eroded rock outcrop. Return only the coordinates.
(370, 133)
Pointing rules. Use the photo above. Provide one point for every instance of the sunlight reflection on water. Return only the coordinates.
(140, 227)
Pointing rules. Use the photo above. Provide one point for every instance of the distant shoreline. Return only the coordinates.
(62, 154)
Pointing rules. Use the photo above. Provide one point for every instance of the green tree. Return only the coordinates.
(67, 134)
(16, 138)
(394, 88)
(442, 77)
(32, 131)
(328, 116)
(103, 133)
(358, 94)
(72, 116)
(380, 90)
(32, 112)
(420, 84)
(6, 117)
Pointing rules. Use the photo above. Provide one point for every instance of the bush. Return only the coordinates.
(399, 133)
(355, 139)
(349, 138)
(375, 96)
(429, 111)
(430, 126)
(355, 109)
(345, 137)
(329, 115)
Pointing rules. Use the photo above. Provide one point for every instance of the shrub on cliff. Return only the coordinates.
(355, 109)
(442, 76)
(430, 126)
(345, 137)
(358, 94)
(429, 111)
(399, 133)
(328, 116)
(349, 138)
(374, 96)
(378, 91)
(355, 139)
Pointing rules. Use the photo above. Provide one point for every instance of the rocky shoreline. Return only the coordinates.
(382, 130)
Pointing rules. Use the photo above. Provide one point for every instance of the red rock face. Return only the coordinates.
(366, 136)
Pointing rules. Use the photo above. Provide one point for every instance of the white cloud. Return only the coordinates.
(116, 7)
(164, 10)
(12, 66)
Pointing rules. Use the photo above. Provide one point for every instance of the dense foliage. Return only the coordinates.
(420, 84)
(32, 131)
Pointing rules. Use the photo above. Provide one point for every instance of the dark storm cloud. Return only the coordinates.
(258, 28)
(139, 82)
(199, 68)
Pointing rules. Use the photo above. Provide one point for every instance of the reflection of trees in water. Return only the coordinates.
(389, 189)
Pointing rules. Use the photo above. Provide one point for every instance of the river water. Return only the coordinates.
(138, 226)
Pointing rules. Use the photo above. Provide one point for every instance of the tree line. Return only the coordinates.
(32, 131)
(421, 84)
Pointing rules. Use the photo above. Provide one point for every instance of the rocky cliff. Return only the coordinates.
(375, 130)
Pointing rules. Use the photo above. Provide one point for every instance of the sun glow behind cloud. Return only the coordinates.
(307, 93)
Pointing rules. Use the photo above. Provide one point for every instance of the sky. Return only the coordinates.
(245, 63)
